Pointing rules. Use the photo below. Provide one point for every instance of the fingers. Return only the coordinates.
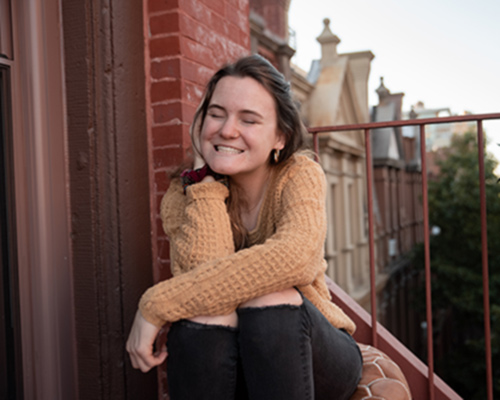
(140, 345)
(145, 362)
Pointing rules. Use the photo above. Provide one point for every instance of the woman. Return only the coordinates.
(250, 311)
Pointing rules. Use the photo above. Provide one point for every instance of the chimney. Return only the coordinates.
(329, 43)
(382, 91)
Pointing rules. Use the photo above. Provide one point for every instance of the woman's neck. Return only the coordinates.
(252, 189)
(252, 192)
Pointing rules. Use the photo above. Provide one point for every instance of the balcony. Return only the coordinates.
(424, 383)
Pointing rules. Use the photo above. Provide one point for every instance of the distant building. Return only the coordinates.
(436, 135)
(398, 214)
(334, 92)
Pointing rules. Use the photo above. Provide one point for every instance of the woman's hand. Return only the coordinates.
(140, 344)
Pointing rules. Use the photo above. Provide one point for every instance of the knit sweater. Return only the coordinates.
(286, 248)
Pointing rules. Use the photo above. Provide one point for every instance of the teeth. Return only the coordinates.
(230, 150)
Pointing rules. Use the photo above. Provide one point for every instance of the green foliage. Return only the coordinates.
(456, 265)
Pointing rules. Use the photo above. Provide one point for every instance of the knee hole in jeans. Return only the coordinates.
(230, 320)
(288, 296)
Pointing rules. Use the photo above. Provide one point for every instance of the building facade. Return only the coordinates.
(334, 92)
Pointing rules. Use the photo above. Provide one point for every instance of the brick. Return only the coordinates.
(245, 39)
(190, 70)
(233, 31)
(166, 46)
(163, 113)
(159, 229)
(158, 199)
(165, 90)
(168, 157)
(188, 112)
(191, 28)
(162, 271)
(164, 23)
(195, 72)
(162, 5)
(240, 38)
(226, 50)
(166, 69)
(220, 25)
(192, 93)
(197, 52)
(170, 135)
(216, 5)
(195, 9)
(195, 30)
(240, 4)
(204, 75)
(234, 3)
(162, 182)
(238, 17)
(172, 113)
(163, 246)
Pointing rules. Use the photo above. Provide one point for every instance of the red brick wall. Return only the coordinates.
(275, 13)
(186, 41)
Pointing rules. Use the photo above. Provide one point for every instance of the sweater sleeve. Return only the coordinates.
(197, 224)
(282, 261)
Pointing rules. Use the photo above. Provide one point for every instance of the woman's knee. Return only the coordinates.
(230, 320)
(273, 333)
(287, 296)
(267, 321)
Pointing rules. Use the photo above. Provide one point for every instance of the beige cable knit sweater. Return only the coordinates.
(286, 249)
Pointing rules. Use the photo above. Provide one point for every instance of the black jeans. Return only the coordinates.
(277, 352)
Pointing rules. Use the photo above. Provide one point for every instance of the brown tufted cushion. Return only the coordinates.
(381, 379)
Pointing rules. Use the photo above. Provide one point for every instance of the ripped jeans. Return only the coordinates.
(277, 352)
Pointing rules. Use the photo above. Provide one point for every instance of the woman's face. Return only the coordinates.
(240, 129)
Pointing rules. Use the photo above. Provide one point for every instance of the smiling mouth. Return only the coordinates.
(227, 150)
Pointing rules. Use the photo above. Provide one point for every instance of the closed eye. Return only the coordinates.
(215, 115)
(250, 117)
(216, 111)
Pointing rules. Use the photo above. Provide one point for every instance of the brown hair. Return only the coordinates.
(288, 121)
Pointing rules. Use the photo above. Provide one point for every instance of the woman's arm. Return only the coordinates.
(197, 224)
(198, 227)
(288, 258)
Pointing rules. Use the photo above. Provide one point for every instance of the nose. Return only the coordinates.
(229, 129)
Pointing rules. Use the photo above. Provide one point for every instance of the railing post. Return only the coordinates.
(484, 243)
(428, 292)
(316, 145)
(371, 236)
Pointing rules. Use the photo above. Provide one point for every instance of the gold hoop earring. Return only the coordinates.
(276, 155)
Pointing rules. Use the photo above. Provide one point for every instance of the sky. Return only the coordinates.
(445, 53)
